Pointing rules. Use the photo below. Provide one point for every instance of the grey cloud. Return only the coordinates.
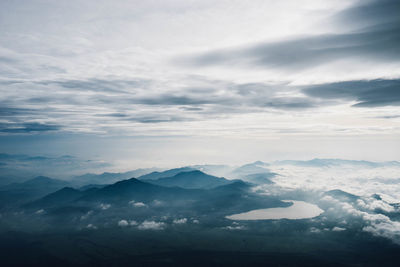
(308, 52)
(53, 166)
(158, 119)
(366, 93)
(7, 60)
(28, 127)
(170, 99)
(289, 103)
(98, 85)
(192, 108)
(116, 115)
(388, 117)
(376, 12)
(377, 39)
(212, 100)
(10, 111)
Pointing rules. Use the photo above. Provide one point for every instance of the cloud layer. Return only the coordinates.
(262, 70)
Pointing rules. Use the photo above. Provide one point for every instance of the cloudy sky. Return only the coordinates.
(145, 83)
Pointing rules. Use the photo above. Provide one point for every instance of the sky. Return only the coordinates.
(177, 82)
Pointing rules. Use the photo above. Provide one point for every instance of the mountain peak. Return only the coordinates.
(43, 180)
(193, 179)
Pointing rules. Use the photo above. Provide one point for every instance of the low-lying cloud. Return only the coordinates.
(151, 225)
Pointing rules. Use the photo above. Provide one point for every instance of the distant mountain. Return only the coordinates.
(191, 180)
(92, 186)
(235, 197)
(169, 173)
(235, 186)
(216, 170)
(337, 162)
(342, 195)
(120, 193)
(37, 183)
(17, 193)
(109, 177)
(134, 189)
(155, 200)
(251, 168)
(60, 197)
(9, 175)
(8, 179)
(260, 178)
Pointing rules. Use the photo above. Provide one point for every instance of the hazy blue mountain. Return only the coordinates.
(235, 197)
(9, 176)
(191, 180)
(17, 193)
(28, 166)
(92, 186)
(251, 168)
(236, 186)
(37, 183)
(109, 177)
(220, 201)
(342, 195)
(9, 179)
(259, 178)
(337, 162)
(134, 189)
(216, 170)
(60, 197)
(168, 173)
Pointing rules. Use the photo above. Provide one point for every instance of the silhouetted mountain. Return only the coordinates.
(109, 177)
(342, 195)
(251, 168)
(43, 181)
(9, 176)
(216, 170)
(60, 197)
(191, 180)
(169, 173)
(134, 189)
(17, 193)
(92, 186)
(235, 186)
(235, 197)
(260, 178)
(40, 183)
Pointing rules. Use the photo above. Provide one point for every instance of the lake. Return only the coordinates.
(299, 210)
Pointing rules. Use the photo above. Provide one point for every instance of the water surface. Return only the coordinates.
(299, 210)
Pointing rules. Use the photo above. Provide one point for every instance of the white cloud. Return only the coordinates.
(315, 230)
(158, 203)
(91, 226)
(338, 229)
(389, 229)
(105, 206)
(373, 204)
(151, 225)
(87, 215)
(41, 211)
(180, 221)
(137, 204)
(359, 180)
(123, 223)
(235, 227)
(133, 223)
